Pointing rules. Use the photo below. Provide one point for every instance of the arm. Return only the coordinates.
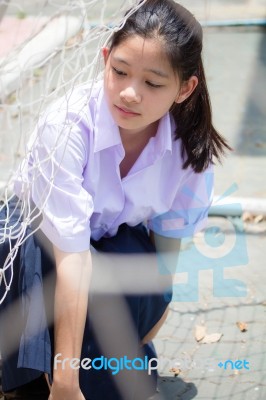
(71, 300)
(168, 250)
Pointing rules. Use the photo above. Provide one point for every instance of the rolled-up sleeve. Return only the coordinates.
(189, 211)
(55, 165)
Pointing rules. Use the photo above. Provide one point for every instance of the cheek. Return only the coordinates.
(109, 81)
(170, 99)
(161, 102)
(108, 86)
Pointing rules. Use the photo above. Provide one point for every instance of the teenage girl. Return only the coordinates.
(124, 168)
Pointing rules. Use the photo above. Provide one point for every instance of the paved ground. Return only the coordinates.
(201, 377)
(235, 65)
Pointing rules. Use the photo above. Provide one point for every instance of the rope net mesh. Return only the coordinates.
(49, 48)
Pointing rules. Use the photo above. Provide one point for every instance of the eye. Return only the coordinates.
(118, 72)
(153, 85)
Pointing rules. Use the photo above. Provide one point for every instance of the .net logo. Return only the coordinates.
(238, 364)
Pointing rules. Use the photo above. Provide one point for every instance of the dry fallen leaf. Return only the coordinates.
(242, 326)
(259, 218)
(260, 144)
(176, 371)
(252, 218)
(211, 338)
(200, 332)
(247, 216)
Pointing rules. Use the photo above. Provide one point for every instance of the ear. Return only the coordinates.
(105, 53)
(187, 89)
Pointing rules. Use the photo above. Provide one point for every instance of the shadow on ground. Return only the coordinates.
(174, 388)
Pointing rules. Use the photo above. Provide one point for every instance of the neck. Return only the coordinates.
(139, 138)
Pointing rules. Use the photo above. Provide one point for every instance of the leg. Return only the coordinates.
(153, 332)
(47, 381)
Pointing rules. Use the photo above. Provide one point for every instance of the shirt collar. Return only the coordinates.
(163, 139)
(105, 129)
(107, 132)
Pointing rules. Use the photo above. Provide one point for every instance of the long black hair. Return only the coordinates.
(181, 35)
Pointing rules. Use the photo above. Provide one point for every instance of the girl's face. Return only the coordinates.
(140, 84)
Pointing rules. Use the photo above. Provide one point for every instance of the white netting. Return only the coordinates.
(48, 48)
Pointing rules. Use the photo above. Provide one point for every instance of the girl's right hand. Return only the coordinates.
(62, 393)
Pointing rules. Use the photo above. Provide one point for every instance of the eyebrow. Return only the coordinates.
(152, 70)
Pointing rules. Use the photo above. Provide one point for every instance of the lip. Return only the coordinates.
(126, 111)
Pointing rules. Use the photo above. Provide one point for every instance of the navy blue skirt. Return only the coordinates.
(30, 332)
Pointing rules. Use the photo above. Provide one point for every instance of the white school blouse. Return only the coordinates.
(72, 174)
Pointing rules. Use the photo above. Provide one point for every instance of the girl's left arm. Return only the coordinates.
(168, 250)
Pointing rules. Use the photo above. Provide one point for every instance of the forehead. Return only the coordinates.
(138, 51)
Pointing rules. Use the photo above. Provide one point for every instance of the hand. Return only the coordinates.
(65, 393)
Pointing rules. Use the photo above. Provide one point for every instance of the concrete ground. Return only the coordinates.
(226, 295)
(201, 377)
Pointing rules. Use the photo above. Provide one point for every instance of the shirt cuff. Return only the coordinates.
(75, 243)
(176, 228)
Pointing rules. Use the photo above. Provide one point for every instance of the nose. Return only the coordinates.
(130, 95)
